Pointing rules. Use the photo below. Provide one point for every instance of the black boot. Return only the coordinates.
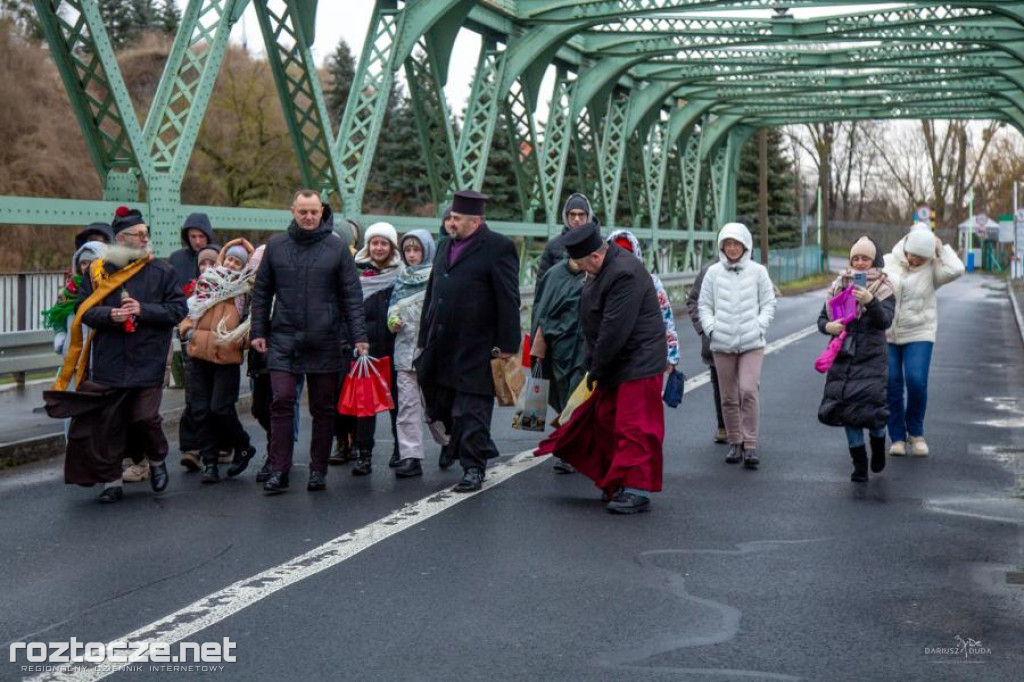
(735, 455)
(211, 474)
(342, 454)
(276, 484)
(158, 476)
(395, 457)
(241, 461)
(363, 465)
(859, 455)
(877, 454)
(408, 468)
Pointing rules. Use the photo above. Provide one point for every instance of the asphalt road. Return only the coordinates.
(787, 573)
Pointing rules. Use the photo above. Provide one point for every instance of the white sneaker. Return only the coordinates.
(136, 472)
(898, 448)
(918, 447)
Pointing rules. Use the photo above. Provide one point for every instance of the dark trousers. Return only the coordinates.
(467, 417)
(261, 397)
(214, 392)
(323, 396)
(145, 425)
(718, 396)
(188, 427)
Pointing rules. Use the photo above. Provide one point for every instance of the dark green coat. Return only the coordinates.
(556, 311)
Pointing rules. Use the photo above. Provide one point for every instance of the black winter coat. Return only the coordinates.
(692, 309)
(375, 314)
(184, 259)
(855, 386)
(554, 251)
(622, 323)
(471, 307)
(135, 360)
(318, 308)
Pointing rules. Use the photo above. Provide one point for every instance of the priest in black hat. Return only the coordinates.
(616, 437)
(470, 315)
(131, 301)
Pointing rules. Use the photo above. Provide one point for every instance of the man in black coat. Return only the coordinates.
(470, 316)
(575, 213)
(618, 440)
(132, 326)
(307, 305)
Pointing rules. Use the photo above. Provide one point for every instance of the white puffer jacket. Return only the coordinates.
(737, 300)
(916, 318)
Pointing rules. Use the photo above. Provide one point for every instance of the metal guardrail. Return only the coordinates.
(25, 351)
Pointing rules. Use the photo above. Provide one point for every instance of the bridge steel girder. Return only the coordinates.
(612, 153)
(482, 111)
(433, 120)
(554, 152)
(518, 108)
(85, 59)
(302, 100)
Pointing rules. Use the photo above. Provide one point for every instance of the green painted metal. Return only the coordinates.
(433, 121)
(302, 99)
(644, 93)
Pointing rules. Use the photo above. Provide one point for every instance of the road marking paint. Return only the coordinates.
(224, 603)
(215, 607)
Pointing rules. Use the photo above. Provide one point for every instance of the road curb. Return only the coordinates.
(1017, 312)
(52, 445)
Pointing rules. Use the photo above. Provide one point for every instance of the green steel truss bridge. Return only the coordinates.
(657, 94)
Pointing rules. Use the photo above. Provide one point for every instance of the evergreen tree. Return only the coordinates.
(398, 182)
(783, 223)
(22, 14)
(341, 67)
(169, 18)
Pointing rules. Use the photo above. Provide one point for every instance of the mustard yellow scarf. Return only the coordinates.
(103, 282)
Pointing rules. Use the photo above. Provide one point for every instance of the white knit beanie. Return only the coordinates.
(920, 243)
(386, 230)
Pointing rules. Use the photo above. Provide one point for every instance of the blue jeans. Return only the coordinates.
(855, 435)
(908, 369)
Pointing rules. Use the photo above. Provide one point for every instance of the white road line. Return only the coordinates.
(220, 605)
(215, 607)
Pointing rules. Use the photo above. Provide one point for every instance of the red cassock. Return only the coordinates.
(615, 438)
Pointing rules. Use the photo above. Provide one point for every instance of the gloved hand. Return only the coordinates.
(835, 328)
(862, 295)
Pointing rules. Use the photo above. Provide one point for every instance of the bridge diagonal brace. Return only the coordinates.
(555, 148)
(522, 131)
(481, 118)
(82, 50)
(186, 85)
(433, 120)
(367, 103)
(612, 154)
(302, 99)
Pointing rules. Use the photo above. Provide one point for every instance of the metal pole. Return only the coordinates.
(1016, 269)
(762, 141)
(823, 255)
(969, 256)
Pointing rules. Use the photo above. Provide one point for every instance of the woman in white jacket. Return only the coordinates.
(736, 306)
(918, 265)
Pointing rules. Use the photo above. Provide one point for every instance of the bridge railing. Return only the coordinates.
(26, 346)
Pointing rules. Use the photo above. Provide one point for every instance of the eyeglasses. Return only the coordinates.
(143, 235)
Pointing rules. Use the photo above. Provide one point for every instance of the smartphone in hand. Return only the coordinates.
(860, 279)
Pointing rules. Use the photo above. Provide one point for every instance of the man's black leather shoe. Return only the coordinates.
(408, 468)
(111, 494)
(628, 503)
(316, 482)
(158, 476)
(471, 481)
(276, 484)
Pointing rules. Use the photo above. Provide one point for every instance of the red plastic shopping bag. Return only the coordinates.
(367, 389)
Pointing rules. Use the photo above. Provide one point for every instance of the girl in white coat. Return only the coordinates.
(918, 265)
(736, 306)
